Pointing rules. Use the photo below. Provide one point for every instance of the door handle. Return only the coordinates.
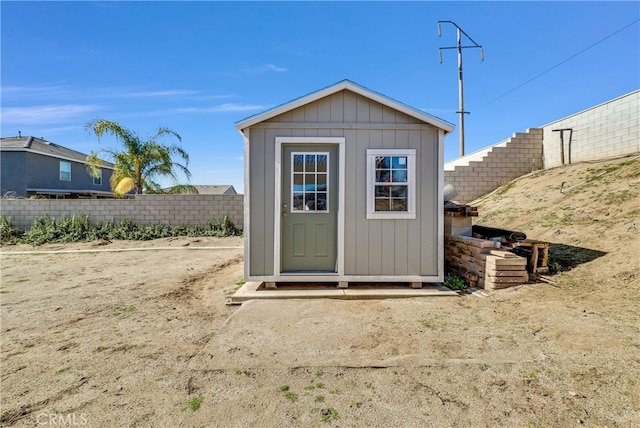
(284, 211)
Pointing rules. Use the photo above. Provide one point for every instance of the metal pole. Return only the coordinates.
(460, 93)
(459, 48)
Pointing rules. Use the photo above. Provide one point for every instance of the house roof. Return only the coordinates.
(214, 189)
(340, 86)
(44, 147)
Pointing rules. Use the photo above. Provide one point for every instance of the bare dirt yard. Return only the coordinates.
(143, 337)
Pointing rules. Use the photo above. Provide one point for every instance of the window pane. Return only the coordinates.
(383, 162)
(310, 201)
(383, 191)
(97, 181)
(309, 182)
(65, 171)
(298, 202)
(322, 201)
(399, 162)
(382, 205)
(390, 180)
(399, 176)
(322, 163)
(322, 182)
(399, 191)
(383, 176)
(398, 205)
(310, 163)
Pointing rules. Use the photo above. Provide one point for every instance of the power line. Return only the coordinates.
(562, 62)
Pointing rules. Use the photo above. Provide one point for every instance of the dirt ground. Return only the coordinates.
(143, 337)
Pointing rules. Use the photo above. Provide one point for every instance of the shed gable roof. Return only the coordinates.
(340, 86)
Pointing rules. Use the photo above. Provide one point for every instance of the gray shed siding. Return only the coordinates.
(371, 247)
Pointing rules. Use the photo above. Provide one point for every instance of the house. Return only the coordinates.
(32, 166)
(344, 185)
(213, 189)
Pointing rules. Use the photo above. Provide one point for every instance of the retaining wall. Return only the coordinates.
(172, 210)
(604, 131)
(502, 163)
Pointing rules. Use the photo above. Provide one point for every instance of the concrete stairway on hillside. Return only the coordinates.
(483, 171)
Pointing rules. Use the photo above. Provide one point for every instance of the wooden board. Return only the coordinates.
(490, 266)
(507, 261)
(511, 273)
(475, 242)
(507, 279)
(502, 253)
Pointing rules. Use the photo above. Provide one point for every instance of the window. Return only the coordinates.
(97, 181)
(310, 182)
(65, 171)
(391, 184)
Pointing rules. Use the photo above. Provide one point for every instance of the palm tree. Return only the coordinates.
(141, 163)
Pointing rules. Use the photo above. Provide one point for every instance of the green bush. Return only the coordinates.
(454, 282)
(7, 232)
(80, 228)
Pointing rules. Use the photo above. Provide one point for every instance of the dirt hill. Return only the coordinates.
(589, 212)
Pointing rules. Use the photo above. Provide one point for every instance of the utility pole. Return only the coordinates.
(459, 48)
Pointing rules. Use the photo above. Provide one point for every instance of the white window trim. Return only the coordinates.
(60, 170)
(372, 214)
(96, 178)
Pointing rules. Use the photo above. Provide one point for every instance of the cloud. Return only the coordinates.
(60, 92)
(254, 71)
(271, 67)
(53, 113)
(237, 107)
(221, 108)
(437, 110)
(52, 91)
(149, 94)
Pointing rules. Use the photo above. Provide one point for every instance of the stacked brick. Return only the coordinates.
(482, 264)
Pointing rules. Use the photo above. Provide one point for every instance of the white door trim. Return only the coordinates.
(280, 141)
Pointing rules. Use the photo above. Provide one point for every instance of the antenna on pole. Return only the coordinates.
(459, 47)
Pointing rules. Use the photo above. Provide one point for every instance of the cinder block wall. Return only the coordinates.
(604, 131)
(520, 155)
(172, 210)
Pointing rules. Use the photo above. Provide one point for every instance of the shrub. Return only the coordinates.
(80, 228)
(8, 233)
(454, 282)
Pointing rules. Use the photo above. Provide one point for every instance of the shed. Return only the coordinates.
(344, 185)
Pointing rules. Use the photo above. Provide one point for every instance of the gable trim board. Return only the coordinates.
(340, 86)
